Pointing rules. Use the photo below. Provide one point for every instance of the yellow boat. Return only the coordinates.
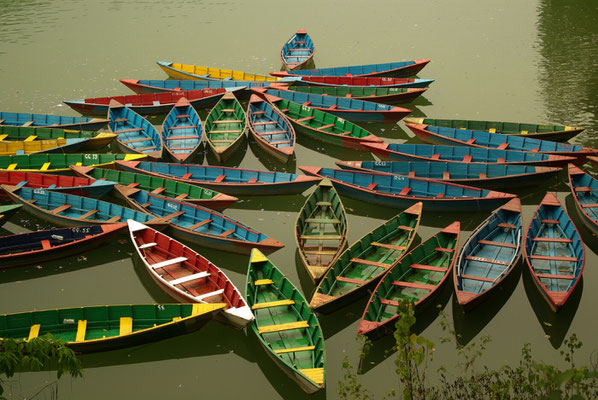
(62, 162)
(197, 73)
(96, 140)
(31, 146)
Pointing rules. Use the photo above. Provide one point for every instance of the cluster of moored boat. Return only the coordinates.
(186, 200)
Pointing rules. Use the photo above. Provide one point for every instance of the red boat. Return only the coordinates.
(187, 276)
(149, 103)
(79, 186)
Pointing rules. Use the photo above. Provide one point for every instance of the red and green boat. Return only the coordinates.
(366, 261)
(322, 126)
(416, 279)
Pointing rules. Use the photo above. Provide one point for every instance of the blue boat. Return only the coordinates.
(235, 181)
(54, 121)
(401, 192)
(270, 128)
(461, 154)
(554, 252)
(135, 134)
(297, 51)
(473, 174)
(362, 82)
(482, 139)
(182, 131)
(344, 107)
(63, 209)
(198, 224)
(141, 86)
(392, 69)
(488, 256)
(584, 189)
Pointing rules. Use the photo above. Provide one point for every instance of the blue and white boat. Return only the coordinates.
(135, 134)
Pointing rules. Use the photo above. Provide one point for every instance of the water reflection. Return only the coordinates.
(568, 44)
(21, 19)
(469, 324)
(555, 325)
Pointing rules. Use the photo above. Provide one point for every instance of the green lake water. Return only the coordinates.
(529, 61)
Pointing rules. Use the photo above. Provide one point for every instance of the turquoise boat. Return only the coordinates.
(53, 121)
(182, 131)
(135, 134)
(200, 225)
(392, 69)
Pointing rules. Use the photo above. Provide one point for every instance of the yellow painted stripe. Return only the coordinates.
(257, 256)
(295, 349)
(81, 329)
(45, 166)
(34, 331)
(126, 325)
(282, 327)
(2, 137)
(269, 304)
(11, 167)
(263, 282)
(524, 132)
(175, 319)
(315, 374)
(30, 138)
(492, 130)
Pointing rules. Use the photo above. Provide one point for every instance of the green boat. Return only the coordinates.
(61, 162)
(321, 230)
(417, 278)
(225, 126)
(384, 95)
(8, 211)
(100, 328)
(322, 126)
(97, 140)
(555, 133)
(165, 187)
(368, 259)
(285, 326)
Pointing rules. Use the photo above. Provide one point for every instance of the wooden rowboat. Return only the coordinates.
(88, 187)
(461, 154)
(140, 86)
(366, 261)
(182, 131)
(488, 256)
(473, 174)
(481, 139)
(284, 325)
(235, 181)
(392, 69)
(417, 278)
(584, 189)
(556, 133)
(8, 211)
(298, 51)
(225, 127)
(194, 72)
(362, 81)
(61, 162)
(554, 252)
(47, 146)
(322, 126)
(187, 276)
(348, 108)
(41, 246)
(162, 186)
(384, 95)
(135, 134)
(64, 209)
(198, 224)
(95, 140)
(402, 192)
(270, 128)
(52, 121)
(321, 230)
(148, 104)
(101, 328)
